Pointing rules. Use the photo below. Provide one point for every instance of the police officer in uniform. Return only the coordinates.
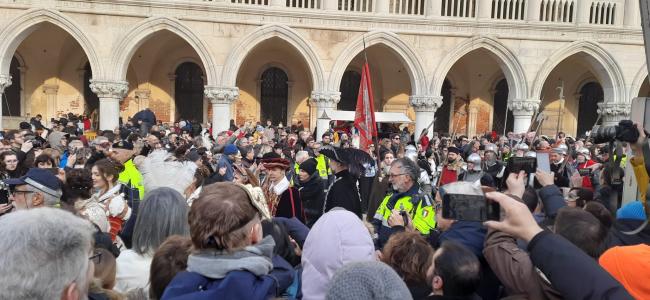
(405, 203)
(322, 165)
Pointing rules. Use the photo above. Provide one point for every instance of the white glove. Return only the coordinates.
(116, 206)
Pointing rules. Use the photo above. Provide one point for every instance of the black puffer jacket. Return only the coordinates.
(312, 195)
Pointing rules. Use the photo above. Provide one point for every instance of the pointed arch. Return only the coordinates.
(18, 29)
(640, 76)
(605, 67)
(138, 35)
(404, 52)
(507, 60)
(263, 33)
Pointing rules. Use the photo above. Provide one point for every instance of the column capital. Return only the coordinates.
(221, 95)
(109, 88)
(425, 103)
(5, 81)
(524, 107)
(613, 112)
(50, 89)
(325, 100)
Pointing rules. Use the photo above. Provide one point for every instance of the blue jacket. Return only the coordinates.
(230, 171)
(236, 285)
(146, 116)
(469, 234)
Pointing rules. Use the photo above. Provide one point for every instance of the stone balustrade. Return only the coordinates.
(578, 12)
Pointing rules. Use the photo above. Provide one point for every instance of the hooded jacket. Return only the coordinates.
(251, 273)
(338, 238)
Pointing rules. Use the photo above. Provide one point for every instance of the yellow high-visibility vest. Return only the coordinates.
(422, 216)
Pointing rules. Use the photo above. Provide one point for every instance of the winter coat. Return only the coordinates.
(290, 205)
(230, 171)
(146, 116)
(344, 193)
(337, 238)
(469, 234)
(514, 268)
(312, 195)
(380, 187)
(616, 237)
(252, 273)
(572, 272)
(552, 199)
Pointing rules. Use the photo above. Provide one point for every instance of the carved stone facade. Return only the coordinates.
(612, 113)
(134, 49)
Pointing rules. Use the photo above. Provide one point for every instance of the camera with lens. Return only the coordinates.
(625, 131)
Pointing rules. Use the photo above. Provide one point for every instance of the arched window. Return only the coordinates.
(442, 114)
(499, 109)
(188, 92)
(274, 96)
(90, 98)
(11, 105)
(349, 90)
(590, 94)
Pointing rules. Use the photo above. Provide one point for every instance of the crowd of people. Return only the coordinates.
(262, 211)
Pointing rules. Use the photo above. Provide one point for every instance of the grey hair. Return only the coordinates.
(408, 167)
(161, 214)
(43, 251)
(302, 154)
(48, 200)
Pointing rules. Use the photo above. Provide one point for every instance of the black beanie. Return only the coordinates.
(309, 166)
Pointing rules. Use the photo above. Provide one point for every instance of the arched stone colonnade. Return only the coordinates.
(110, 58)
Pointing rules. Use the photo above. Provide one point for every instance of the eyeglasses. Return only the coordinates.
(16, 192)
(96, 257)
(437, 206)
(396, 138)
(395, 175)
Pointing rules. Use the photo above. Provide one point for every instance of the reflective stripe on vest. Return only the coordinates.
(322, 166)
(423, 217)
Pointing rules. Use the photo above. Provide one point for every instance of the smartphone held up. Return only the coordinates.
(466, 201)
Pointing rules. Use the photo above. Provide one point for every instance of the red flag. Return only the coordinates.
(364, 118)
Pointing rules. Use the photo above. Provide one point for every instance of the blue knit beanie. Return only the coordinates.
(631, 211)
(230, 149)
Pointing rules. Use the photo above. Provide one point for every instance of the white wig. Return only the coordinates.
(160, 169)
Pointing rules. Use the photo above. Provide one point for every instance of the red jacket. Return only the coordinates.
(586, 180)
(448, 176)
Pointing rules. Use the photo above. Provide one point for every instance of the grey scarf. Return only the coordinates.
(216, 264)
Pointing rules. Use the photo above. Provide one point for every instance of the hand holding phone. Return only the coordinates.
(465, 201)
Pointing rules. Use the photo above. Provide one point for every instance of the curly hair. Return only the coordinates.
(78, 185)
(409, 254)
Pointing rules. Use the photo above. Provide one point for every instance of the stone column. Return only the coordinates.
(582, 13)
(324, 101)
(5, 81)
(523, 111)
(484, 9)
(433, 8)
(612, 112)
(110, 93)
(425, 109)
(383, 7)
(221, 99)
(331, 4)
(632, 16)
(532, 8)
(143, 98)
